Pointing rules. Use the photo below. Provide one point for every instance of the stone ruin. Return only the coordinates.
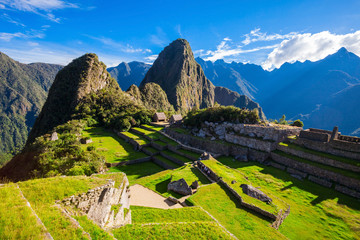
(223, 131)
(180, 187)
(97, 204)
(255, 193)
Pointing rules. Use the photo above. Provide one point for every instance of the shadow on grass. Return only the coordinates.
(321, 192)
(200, 176)
(161, 187)
(139, 169)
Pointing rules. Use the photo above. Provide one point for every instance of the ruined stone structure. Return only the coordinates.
(180, 186)
(105, 205)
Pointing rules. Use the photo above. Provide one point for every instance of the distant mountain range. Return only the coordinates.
(310, 91)
(130, 73)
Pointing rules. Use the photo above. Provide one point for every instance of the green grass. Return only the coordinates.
(316, 212)
(181, 130)
(319, 165)
(16, 219)
(139, 170)
(155, 128)
(137, 137)
(172, 231)
(158, 182)
(109, 145)
(321, 154)
(42, 194)
(167, 161)
(177, 156)
(230, 174)
(161, 143)
(152, 150)
(96, 232)
(189, 153)
(154, 135)
(221, 204)
(157, 215)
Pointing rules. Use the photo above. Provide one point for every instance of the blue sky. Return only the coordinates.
(262, 32)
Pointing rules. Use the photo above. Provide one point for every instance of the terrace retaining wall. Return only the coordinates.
(330, 148)
(317, 172)
(174, 160)
(319, 159)
(161, 163)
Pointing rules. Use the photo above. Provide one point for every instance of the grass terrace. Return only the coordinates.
(136, 171)
(152, 134)
(316, 212)
(158, 182)
(177, 156)
(137, 137)
(229, 174)
(321, 154)
(157, 215)
(16, 216)
(319, 165)
(167, 161)
(155, 128)
(109, 145)
(177, 230)
(152, 150)
(189, 153)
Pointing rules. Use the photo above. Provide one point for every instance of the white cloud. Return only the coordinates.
(150, 59)
(11, 20)
(29, 34)
(256, 35)
(313, 47)
(225, 49)
(35, 5)
(43, 8)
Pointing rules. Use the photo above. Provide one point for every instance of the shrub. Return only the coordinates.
(297, 123)
(222, 114)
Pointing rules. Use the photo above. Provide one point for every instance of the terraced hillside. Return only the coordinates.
(153, 160)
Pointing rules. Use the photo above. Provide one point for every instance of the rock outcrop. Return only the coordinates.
(180, 187)
(255, 193)
(181, 77)
(185, 84)
(152, 96)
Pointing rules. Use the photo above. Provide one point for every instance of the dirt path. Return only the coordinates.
(142, 196)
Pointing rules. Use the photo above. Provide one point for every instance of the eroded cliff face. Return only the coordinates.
(82, 76)
(181, 77)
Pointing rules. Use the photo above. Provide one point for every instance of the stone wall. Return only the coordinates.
(207, 145)
(317, 172)
(346, 146)
(315, 136)
(349, 139)
(174, 160)
(96, 204)
(319, 159)
(327, 148)
(161, 163)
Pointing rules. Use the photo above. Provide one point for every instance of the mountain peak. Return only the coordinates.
(82, 76)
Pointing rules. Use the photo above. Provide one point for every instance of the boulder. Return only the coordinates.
(201, 133)
(172, 199)
(255, 193)
(195, 185)
(180, 187)
(220, 130)
(54, 136)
